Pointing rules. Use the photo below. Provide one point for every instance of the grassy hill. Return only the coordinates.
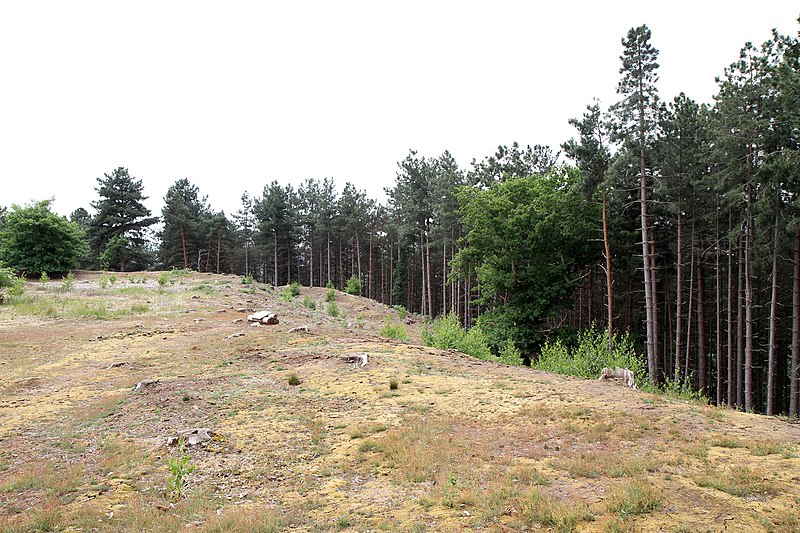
(305, 439)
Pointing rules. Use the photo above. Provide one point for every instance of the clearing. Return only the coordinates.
(418, 439)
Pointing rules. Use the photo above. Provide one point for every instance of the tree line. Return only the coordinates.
(677, 222)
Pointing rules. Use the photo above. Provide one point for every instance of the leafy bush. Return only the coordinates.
(103, 281)
(446, 333)
(44, 278)
(293, 380)
(247, 280)
(15, 286)
(402, 312)
(591, 356)
(33, 239)
(393, 331)
(331, 294)
(353, 286)
(308, 302)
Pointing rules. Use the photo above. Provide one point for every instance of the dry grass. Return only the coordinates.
(460, 445)
(596, 464)
(738, 481)
(635, 498)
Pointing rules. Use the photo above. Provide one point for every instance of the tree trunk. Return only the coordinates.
(794, 379)
(718, 317)
(369, 277)
(358, 254)
(609, 284)
(275, 258)
(701, 329)
(740, 325)
(311, 262)
(444, 278)
(687, 368)
(430, 279)
(748, 306)
(329, 259)
(185, 251)
(773, 315)
(679, 299)
(219, 249)
(729, 329)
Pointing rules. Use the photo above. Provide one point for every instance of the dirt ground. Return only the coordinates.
(418, 439)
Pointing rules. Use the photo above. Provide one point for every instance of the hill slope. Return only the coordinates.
(458, 444)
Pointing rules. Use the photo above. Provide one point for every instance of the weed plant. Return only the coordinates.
(393, 331)
(180, 468)
(308, 302)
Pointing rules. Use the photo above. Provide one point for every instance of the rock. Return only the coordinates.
(195, 297)
(196, 320)
(264, 317)
(245, 310)
(255, 325)
(194, 436)
(619, 374)
(222, 311)
(234, 335)
(117, 364)
(146, 383)
(356, 358)
(304, 329)
(236, 321)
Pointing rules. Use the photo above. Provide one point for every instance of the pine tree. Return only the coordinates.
(635, 127)
(121, 213)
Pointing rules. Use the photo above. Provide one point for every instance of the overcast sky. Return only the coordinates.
(233, 95)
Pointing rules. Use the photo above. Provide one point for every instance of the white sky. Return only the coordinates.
(235, 94)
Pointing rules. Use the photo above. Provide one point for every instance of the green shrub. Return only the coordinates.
(591, 356)
(7, 278)
(331, 294)
(247, 280)
(112, 279)
(308, 302)
(393, 384)
(510, 354)
(446, 333)
(293, 380)
(164, 278)
(15, 286)
(294, 288)
(402, 312)
(68, 283)
(353, 286)
(103, 281)
(44, 278)
(393, 331)
(333, 309)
